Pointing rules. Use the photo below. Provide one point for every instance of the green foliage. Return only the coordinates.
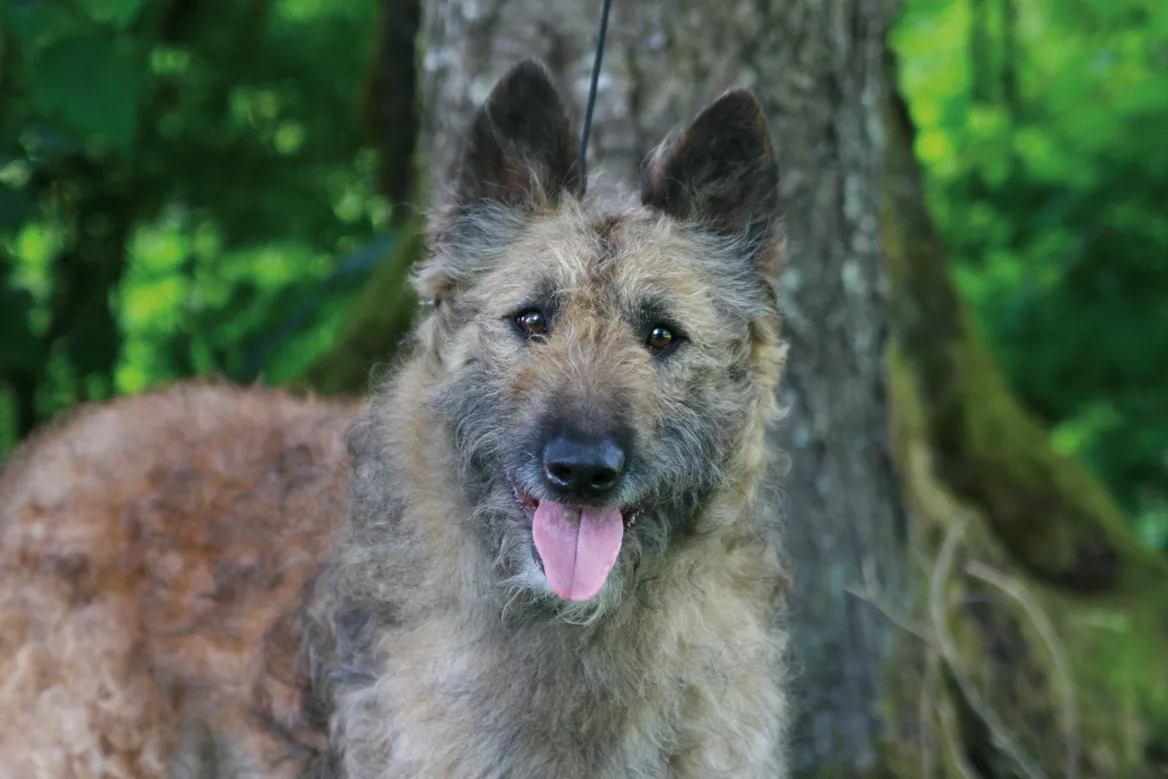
(1042, 126)
(104, 103)
(117, 13)
(185, 189)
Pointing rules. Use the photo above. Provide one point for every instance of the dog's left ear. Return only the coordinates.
(719, 171)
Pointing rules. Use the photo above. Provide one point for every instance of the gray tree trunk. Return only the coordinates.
(816, 66)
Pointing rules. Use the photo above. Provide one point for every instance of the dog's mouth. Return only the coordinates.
(577, 545)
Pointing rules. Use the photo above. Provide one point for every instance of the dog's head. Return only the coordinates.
(604, 368)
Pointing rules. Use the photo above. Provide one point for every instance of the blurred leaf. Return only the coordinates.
(37, 23)
(355, 267)
(14, 207)
(20, 349)
(91, 86)
(119, 13)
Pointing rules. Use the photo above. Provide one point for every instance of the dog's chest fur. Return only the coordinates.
(686, 689)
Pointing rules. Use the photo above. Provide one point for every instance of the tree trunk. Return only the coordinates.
(816, 67)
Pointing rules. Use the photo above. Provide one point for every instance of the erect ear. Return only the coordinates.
(720, 170)
(522, 149)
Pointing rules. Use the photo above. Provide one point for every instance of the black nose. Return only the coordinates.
(577, 467)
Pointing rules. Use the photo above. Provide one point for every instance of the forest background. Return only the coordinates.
(230, 187)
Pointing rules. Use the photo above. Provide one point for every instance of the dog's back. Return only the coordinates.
(147, 550)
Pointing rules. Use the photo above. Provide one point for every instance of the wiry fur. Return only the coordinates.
(169, 605)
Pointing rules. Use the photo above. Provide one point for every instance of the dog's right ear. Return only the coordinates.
(522, 149)
(520, 157)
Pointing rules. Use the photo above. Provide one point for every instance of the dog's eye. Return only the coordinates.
(661, 340)
(532, 322)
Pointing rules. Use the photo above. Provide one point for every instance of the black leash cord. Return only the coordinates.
(592, 92)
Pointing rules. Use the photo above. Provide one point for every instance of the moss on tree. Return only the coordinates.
(1050, 513)
(379, 319)
(1035, 640)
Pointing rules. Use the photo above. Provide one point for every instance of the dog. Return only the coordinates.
(546, 545)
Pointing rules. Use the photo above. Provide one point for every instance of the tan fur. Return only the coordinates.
(145, 549)
(204, 582)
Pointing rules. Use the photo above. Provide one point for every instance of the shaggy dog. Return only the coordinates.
(544, 547)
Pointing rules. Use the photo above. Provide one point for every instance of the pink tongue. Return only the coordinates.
(578, 547)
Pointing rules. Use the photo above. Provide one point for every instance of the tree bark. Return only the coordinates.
(816, 67)
(391, 110)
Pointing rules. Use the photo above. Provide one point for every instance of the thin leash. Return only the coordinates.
(592, 92)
